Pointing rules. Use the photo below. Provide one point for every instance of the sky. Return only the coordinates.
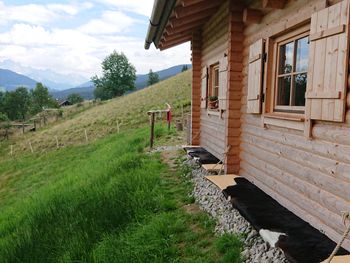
(73, 37)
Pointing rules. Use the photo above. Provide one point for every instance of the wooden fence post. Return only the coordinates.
(57, 142)
(152, 130)
(30, 146)
(86, 136)
(23, 127)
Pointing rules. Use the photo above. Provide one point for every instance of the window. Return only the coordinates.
(213, 86)
(292, 54)
(214, 80)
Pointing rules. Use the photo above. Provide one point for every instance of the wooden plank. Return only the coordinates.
(295, 125)
(328, 32)
(252, 16)
(328, 94)
(327, 74)
(255, 72)
(276, 4)
(213, 167)
(181, 11)
(339, 259)
(222, 181)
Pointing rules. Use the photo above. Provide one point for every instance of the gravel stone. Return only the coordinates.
(228, 220)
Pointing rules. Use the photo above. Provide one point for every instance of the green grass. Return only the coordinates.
(107, 201)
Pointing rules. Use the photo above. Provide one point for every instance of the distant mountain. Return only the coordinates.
(86, 92)
(10, 80)
(141, 80)
(86, 89)
(49, 78)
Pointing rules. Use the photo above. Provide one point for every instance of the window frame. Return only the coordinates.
(284, 38)
(212, 87)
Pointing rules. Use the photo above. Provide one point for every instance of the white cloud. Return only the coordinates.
(32, 41)
(110, 22)
(142, 7)
(73, 51)
(39, 14)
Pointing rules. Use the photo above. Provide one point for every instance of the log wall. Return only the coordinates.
(309, 177)
(214, 46)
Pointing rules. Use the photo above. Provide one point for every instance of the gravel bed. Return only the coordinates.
(211, 199)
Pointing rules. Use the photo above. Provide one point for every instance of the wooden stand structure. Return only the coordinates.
(151, 114)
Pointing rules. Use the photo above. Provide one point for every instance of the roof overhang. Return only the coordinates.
(174, 21)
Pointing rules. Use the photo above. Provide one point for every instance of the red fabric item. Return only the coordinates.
(168, 116)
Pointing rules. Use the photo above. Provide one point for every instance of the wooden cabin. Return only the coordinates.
(279, 71)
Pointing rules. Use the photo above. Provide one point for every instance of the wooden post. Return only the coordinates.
(57, 142)
(23, 127)
(86, 136)
(34, 125)
(118, 127)
(182, 115)
(152, 130)
(30, 146)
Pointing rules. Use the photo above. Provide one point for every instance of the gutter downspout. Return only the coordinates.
(160, 15)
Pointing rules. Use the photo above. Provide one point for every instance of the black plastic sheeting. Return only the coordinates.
(204, 156)
(303, 243)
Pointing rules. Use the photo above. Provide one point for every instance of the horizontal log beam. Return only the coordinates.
(252, 16)
(276, 4)
(186, 27)
(181, 11)
(177, 22)
(185, 3)
(169, 44)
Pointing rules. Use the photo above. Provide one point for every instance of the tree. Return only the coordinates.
(75, 98)
(118, 77)
(153, 78)
(16, 104)
(184, 68)
(5, 124)
(40, 98)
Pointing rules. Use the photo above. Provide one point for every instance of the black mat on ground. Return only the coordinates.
(204, 156)
(303, 243)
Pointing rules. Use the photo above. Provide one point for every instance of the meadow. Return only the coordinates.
(130, 111)
(109, 199)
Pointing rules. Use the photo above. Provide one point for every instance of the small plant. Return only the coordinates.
(213, 102)
(213, 98)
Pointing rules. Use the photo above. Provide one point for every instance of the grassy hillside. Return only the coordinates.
(130, 110)
(106, 201)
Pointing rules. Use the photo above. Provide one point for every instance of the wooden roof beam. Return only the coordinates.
(178, 22)
(186, 27)
(172, 38)
(173, 43)
(185, 3)
(252, 16)
(181, 11)
(276, 4)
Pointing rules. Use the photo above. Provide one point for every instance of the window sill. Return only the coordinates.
(214, 112)
(289, 121)
(286, 116)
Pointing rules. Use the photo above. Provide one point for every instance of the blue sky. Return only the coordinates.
(73, 37)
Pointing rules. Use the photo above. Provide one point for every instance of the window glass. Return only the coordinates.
(292, 73)
(286, 58)
(299, 89)
(283, 91)
(302, 55)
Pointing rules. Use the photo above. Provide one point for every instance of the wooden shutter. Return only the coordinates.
(204, 88)
(328, 63)
(223, 83)
(255, 77)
